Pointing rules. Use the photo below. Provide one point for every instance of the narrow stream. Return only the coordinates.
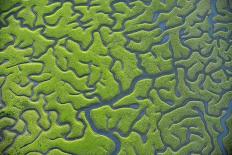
(225, 132)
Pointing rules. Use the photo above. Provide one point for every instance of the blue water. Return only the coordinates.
(223, 134)
(156, 15)
(165, 39)
(162, 26)
(213, 10)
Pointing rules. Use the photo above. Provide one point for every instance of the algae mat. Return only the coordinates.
(126, 77)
